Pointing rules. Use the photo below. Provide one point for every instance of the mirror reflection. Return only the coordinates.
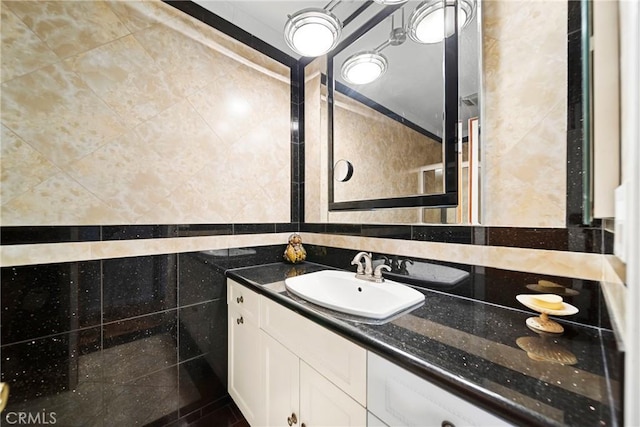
(388, 113)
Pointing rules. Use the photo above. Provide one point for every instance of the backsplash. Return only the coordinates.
(493, 285)
(148, 116)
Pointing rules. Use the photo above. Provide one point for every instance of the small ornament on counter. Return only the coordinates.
(295, 252)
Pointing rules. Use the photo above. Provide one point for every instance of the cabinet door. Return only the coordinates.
(281, 382)
(244, 366)
(324, 404)
(338, 359)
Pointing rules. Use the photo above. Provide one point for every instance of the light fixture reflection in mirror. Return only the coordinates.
(364, 67)
(427, 21)
(312, 32)
(342, 170)
(387, 2)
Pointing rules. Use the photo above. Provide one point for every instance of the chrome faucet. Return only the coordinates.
(367, 270)
(367, 273)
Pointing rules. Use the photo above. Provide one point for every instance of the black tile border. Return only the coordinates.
(297, 143)
(575, 131)
(572, 239)
(22, 235)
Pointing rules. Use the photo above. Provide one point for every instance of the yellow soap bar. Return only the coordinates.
(548, 284)
(552, 302)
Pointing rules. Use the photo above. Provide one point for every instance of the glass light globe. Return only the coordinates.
(427, 21)
(312, 32)
(364, 67)
(313, 39)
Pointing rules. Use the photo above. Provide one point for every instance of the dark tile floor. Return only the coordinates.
(226, 416)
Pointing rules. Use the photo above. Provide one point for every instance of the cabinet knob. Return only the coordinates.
(240, 300)
(303, 425)
(292, 419)
(240, 321)
(446, 423)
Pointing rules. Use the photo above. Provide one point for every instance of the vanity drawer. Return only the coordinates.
(243, 300)
(398, 397)
(338, 359)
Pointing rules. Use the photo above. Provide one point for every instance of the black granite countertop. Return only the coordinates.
(470, 348)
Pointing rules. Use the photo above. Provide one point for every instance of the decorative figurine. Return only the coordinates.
(295, 252)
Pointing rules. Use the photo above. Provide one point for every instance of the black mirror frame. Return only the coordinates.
(449, 198)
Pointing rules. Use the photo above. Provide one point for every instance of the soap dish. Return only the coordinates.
(546, 304)
(548, 287)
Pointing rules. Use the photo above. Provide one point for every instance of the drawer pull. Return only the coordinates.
(292, 419)
(446, 423)
(240, 321)
(240, 300)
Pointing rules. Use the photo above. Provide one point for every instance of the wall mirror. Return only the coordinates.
(405, 133)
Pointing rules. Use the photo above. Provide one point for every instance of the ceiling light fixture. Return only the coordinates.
(427, 21)
(364, 67)
(313, 32)
(367, 66)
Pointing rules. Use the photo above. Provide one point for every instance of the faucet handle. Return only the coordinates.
(403, 266)
(356, 261)
(377, 274)
(403, 263)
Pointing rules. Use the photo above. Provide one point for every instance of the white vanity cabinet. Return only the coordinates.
(399, 398)
(244, 372)
(301, 374)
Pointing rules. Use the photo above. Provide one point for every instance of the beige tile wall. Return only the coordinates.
(386, 155)
(316, 197)
(525, 113)
(133, 112)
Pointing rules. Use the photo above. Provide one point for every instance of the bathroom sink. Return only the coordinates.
(342, 292)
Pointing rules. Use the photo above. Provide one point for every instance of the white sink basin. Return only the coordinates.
(341, 291)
